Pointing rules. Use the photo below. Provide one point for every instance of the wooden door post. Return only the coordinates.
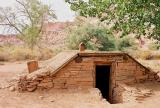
(32, 66)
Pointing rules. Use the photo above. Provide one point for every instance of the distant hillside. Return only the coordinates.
(53, 35)
(10, 39)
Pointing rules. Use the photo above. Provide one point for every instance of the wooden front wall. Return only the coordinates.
(80, 73)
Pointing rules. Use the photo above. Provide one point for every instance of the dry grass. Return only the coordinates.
(145, 54)
(18, 53)
(153, 64)
(139, 54)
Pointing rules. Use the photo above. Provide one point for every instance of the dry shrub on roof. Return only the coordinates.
(141, 54)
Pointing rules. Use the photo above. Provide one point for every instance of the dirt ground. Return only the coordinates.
(146, 95)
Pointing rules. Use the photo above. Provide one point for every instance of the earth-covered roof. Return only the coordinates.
(63, 58)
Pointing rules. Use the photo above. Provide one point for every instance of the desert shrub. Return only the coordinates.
(16, 53)
(154, 46)
(126, 43)
(94, 37)
(156, 55)
(3, 57)
(4, 53)
(46, 53)
(19, 53)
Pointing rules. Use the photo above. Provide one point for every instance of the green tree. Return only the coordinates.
(141, 17)
(94, 37)
(27, 19)
(125, 43)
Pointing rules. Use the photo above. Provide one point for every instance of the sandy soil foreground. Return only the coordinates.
(145, 95)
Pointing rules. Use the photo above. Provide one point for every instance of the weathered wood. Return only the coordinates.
(32, 66)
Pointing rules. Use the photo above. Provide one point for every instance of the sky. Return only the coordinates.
(61, 8)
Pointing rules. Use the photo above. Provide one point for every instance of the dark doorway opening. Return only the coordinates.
(103, 80)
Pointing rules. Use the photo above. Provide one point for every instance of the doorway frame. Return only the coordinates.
(111, 77)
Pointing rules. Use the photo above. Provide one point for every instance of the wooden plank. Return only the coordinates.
(32, 66)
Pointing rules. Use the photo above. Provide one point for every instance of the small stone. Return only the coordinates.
(12, 88)
(52, 100)
(32, 89)
(41, 97)
(104, 100)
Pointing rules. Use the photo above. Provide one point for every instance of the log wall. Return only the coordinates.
(80, 73)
